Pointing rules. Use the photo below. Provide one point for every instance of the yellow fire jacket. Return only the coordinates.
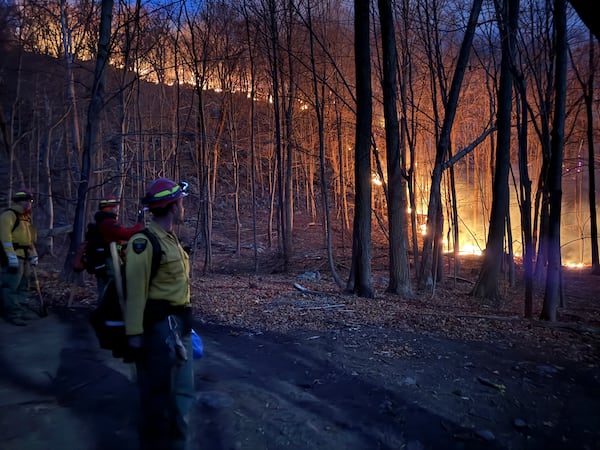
(22, 239)
(171, 282)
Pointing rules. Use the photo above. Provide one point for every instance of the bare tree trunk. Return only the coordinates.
(426, 271)
(525, 195)
(274, 62)
(486, 286)
(91, 132)
(319, 96)
(251, 57)
(46, 174)
(399, 269)
(407, 122)
(75, 144)
(587, 86)
(553, 274)
(130, 26)
(199, 53)
(343, 199)
(359, 281)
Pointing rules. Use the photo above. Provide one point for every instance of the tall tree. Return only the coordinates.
(359, 280)
(434, 210)
(553, 273)
(199, 55)
(525, 191)
(507, 12)
(319, 102)
(251, 28)
(91, 130)
(274, 59)
(587, 86)
(397, 202)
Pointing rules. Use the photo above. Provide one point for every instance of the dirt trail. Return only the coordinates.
(301, 390)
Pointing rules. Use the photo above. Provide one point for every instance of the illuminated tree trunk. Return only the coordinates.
(251, 125)
(319, 99)
(587, 86)
(197, 48)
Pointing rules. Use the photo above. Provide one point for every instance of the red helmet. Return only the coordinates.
(109, 202)
(164, 191)
(22, 194)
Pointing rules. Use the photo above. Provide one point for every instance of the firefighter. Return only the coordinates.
(158, 322)
(18, 236)
(107, 223)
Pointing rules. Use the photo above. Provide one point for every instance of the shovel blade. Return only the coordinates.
(43, 312)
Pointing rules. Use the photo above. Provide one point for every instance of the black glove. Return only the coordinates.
(135, 351)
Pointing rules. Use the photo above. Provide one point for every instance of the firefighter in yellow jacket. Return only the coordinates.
(158, 322)
(18, 236)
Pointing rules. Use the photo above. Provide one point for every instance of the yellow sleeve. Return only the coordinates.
(138, 263)
(7, 221)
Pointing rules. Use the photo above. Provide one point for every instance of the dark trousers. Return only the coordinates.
(15, 290)
(166, 386)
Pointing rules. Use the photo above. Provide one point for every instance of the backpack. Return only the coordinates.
(92, 252)
(107, 319)
(3, 257)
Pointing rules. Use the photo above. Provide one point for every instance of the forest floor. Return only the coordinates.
(293, 362)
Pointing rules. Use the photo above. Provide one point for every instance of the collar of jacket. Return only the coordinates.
(103, 215)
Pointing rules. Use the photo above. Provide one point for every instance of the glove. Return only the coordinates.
(33, 260)
(13, 261)
(135, 351)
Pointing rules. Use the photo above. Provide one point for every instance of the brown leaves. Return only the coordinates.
(275, 302)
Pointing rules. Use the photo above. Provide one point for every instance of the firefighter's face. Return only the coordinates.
(178, 211)
(27, 205)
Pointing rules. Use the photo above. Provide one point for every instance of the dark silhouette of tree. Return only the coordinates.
(399, 269)
(359, 281)
(91, 131)
(553, 273)
(319, 104)
(434, 211)
(587, 87)
(507, 12)
(525, 191)
(251, 29)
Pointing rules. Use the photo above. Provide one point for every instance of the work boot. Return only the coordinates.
(16, 321)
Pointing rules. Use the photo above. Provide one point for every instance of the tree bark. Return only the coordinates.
(487, 282)
(434, 208)
(553, 274)
(399, 269)
(360, 273)
(91, 132)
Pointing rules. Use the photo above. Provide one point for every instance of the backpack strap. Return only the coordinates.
(17, 218)
(156, 251)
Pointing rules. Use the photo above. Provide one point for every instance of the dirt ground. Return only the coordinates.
(320, 369)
